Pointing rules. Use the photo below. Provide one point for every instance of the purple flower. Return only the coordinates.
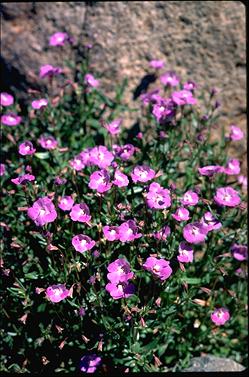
(235, 133)
(125, 152)
(120, 179)
(59, 39)
(48, 142)
(210, 222)
(89, 363)
(11, 119)
(49, 70)
(57, 292)
(26, 148)
(111, 233)
(240, 252)
(100, 181)
(6, 99)
(91, 81)
(232, 167)
(121, 290)
(194, 233)
(128, 231)
(210, 170)
(157, 64)
(227, 196)
(190, 198)
(151, 97)
(77, 163)
(80, 212)
(65, 203)
(43, 211)
(164, 110)
(162, 234)
(185, 253)
(181, 214)
(170, 79)
(86, 156)
(39, 103)
(59, 181)
(2, 169)
(119, 271)
(184, 97)
(82, 243)
(220, 316)
(114, 127)
(158, 197)
(160, 268)
(101, 157)
(142, 173)
(22, 179)
(189, 85)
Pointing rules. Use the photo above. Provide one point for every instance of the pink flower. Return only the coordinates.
(170, 79)
(49, 70)
(89, 363)
(59, 39)
(80, 212)
(160, 268)
(227, 196)
(26, 148)
(82, 243)
(142, 173)
(77, 163)
(43, 211)
(59, 181)
(190, 198)
(91, 81)
(232, 167)
(189, 85)
(57, 292)
(210, 222)
(2, 169)
(6, 99)
(111, 233)
(121, 290)
(164, 110)
(22, 179)
(128, 231)
(66, 203)
(210, 170)
(119, 271)
(157, 64)
(194, 233)
(121, 180)
(181, 214)
(100, 181)
(114, 127)
(162, 234)
(158, 197)
(184, 97)
(101, 157)
(235, 133)
(150, 97)
(220, 316)
(125, 152)
(239, 252)
(185, 253)
(11, 119)
(48, 142)
(39, 103)
(242, 180)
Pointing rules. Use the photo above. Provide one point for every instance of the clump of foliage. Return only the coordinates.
(121, 250)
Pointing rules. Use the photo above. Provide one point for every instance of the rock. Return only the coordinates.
(211, 363)
(204, 41)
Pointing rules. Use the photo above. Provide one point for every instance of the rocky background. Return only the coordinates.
(201, 40)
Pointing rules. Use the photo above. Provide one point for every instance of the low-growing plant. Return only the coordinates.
(123, 249)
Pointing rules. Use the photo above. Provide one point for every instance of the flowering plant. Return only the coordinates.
(148, 231)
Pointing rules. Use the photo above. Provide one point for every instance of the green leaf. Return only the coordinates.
(42, 155)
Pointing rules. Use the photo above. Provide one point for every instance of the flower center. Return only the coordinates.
(156, 268)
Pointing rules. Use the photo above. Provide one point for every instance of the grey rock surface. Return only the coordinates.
(211, 363)
(201, 40)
